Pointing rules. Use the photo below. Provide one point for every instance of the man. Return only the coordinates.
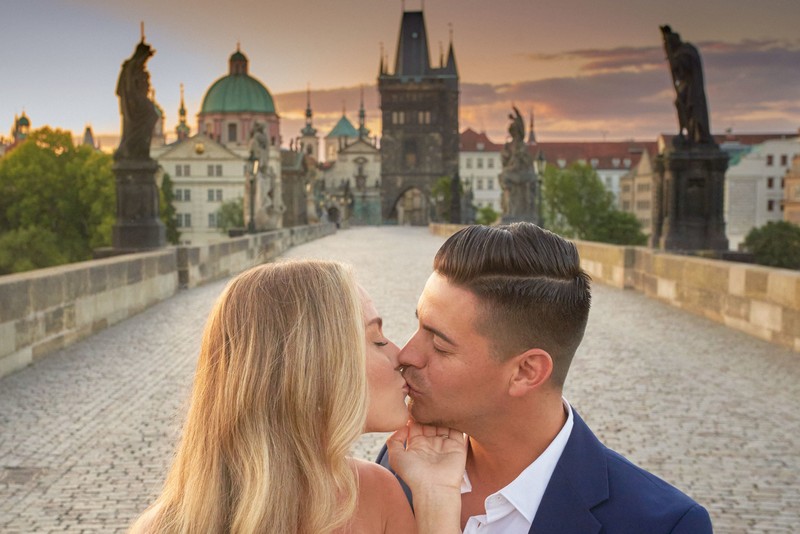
(499, 322)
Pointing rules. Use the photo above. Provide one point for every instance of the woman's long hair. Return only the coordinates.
(279, 397)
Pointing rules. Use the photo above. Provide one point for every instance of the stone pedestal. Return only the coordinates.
(689, 209)
(138, 224)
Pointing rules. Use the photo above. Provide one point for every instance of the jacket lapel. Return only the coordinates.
(579, 483)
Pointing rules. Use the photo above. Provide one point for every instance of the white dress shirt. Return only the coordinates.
(512, 509)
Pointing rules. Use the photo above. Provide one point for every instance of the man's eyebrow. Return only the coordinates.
(436, 332)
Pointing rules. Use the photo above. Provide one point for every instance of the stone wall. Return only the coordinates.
(762, 301)
(47, 309)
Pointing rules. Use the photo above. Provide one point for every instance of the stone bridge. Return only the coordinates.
(86, 433)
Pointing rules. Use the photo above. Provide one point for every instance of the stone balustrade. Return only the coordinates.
(47, 309)
(762, 301)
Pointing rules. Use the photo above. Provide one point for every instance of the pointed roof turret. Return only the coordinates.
(412, 57)
(531, 135)
(237, 63)
(308, 129)
(182, 129)
(363, 131)
(88, 137)
(451, 67)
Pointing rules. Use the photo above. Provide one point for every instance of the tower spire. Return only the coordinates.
(361, 116)
(531, 134)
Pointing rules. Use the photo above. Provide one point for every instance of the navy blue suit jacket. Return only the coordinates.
(594, 490)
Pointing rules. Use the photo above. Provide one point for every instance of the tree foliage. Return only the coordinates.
(58, 195)
(442, 194)
(486, 215)
(166, 206)
(575, 203)
(231, 214)
(776, 244)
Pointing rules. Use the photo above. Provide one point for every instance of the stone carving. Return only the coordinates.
(518, 179)
(687, 77)
(138, 224)
(269, 206)
(139, 114)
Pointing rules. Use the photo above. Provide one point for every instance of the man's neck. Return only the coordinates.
(499, 453)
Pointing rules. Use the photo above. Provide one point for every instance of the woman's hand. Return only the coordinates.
(428, 457)
(431, 461)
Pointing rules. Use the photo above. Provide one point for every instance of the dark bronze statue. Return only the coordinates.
(687, 77)
(139, 114)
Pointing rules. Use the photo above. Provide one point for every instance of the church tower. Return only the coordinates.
(419, 107)
(182, 129)
(309, 141)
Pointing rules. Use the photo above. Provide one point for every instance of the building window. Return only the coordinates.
(469, 163)
(178, 170)
(490, 163)
(212, 220)
(187, 195)
(784, 159)
(770, 160)
(218, 195)
(615, 162)
(215, 195)
(187, 170)
(489, 183)
(642, 205)
(184, 220)
(770, 205)
(642, 188)
(232, 132)
(626, 206)
(594, 162)
(479, 163)
(627, 162)
(219, 170)
(480, 184)
(770, 182)
(211, 170)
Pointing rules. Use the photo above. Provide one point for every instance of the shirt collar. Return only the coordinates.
(525, 492)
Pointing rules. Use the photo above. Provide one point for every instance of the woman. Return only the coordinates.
(279, 398)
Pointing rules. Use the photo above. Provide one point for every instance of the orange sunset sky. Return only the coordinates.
(591, 69)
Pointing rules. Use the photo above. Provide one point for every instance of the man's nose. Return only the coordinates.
(410, 355)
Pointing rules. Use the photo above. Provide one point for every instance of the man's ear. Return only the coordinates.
(530, 370)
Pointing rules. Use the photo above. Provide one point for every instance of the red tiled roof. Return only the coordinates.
(470, 139)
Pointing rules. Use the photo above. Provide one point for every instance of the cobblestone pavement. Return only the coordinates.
(86, 433)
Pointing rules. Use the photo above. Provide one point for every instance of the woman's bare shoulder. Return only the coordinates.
(146, 521)
(381, 499)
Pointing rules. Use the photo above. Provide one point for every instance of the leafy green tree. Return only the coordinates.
(231, 214)
(50, 187)
(29, 248)
(575, 203)
(167, 208)
(776, 244)
(486, 215)
(442, 193)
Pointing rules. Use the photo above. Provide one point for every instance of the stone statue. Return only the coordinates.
(269, 206)
(687, 77)
(518, 178)
(139, 114)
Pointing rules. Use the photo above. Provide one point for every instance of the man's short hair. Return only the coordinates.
(532, 290)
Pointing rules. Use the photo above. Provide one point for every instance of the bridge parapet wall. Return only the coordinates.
(761, 301)
(48, 309)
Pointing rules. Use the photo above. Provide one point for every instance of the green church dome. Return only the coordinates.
(238, 91)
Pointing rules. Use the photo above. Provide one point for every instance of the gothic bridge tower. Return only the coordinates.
(419, 108)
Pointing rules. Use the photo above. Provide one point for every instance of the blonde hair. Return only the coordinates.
(279, 397)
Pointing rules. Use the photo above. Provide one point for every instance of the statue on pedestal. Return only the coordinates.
(138, 224)
(688, 210)
(518, 179)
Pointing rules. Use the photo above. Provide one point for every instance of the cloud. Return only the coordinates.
(619, 93)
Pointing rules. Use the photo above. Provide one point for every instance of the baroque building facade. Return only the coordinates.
(419, 115)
